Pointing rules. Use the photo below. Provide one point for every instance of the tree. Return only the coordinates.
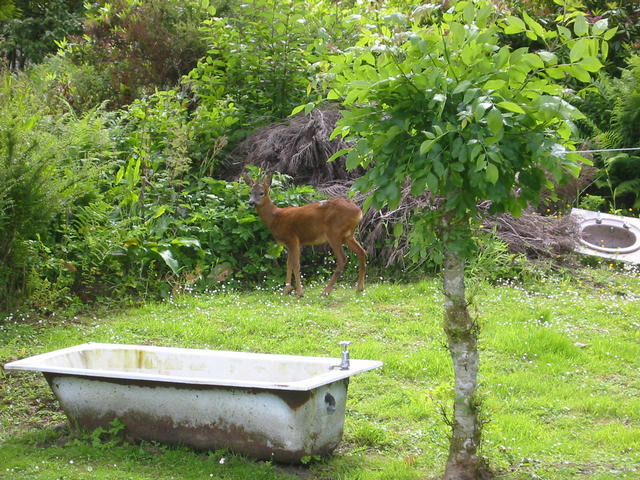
(437, 98)
(29, 29)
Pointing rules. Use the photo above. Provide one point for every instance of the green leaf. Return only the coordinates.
(500, 60)
(604, 52)
(578, 73)
(514, 25)
(515, 210)
(274, 251)
(556, 73)
(548, 57)
(565, 33)
(297, 109)
(579, 50)
(171, 262)
(398, 228)
(432, 183)
(609, 34)
(494, 120)
(580, 26)
(427, 145)
(438, 167)
(480, 107)
(462, 86)
(367, 203)
(468, 54)
(492, 173)
(512, 107)
(339, 153)
(391, 193)
(533, 60)
(353, 159)
(494, 84)
(533, 25)
(160, 211)
(418, 186)
(590, 64)
(600, 26)
(186, 242)
(469, 13)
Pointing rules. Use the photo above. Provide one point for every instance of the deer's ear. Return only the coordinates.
(267, 179)
(247, 179)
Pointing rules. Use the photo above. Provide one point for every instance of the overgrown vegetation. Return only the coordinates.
(120, 124)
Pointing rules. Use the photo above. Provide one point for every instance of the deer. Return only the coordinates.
(333, 221)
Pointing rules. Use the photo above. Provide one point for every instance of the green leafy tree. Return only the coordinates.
(438, 100)
(263, 56)
(29, 29)
(257, 57)
(138, 46)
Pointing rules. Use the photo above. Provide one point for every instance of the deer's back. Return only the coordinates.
(314, 223)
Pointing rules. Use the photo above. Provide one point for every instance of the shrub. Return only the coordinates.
(139, 46)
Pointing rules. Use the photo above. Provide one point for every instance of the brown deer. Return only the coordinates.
(332, 221)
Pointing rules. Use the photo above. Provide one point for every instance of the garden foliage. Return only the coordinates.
(112, 149)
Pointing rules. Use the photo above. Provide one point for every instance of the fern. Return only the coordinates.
(623, 178)
(613, 106)
(91, 230)
(631, 188)
(610, 139)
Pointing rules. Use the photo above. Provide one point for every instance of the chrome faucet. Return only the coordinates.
(344, 364)
(598, 218)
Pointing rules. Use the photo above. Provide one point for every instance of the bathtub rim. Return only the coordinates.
(38, 363)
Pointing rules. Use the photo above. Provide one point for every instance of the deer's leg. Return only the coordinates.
(341, 260)
(293, 264)
(355, 247)
(287, 285)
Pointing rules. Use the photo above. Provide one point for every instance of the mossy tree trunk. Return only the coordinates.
(462, 335)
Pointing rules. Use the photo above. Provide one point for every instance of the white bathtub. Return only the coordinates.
(279, 407)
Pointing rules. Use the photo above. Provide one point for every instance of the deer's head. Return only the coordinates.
(259, 190)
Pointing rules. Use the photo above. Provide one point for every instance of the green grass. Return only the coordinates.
(560, 380)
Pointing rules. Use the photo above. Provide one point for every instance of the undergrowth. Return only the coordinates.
(560, 379)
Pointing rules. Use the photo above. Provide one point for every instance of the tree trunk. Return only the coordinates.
(462, 334)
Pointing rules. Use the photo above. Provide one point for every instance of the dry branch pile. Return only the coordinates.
(534, 235)
(300, 148)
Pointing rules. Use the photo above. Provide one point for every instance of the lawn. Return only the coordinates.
(560, 379)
